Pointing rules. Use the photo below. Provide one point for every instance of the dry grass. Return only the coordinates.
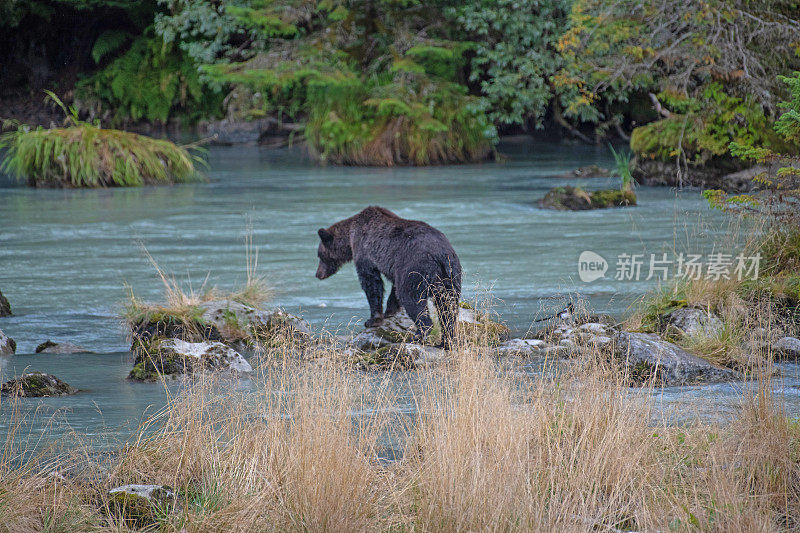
(488, 450)
(180, 305)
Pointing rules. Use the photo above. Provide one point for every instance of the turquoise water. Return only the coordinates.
(67, 256)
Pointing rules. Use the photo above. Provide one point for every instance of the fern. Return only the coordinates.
(153, 80)
(109, 42)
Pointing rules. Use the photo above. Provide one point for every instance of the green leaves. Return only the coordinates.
(514, 43)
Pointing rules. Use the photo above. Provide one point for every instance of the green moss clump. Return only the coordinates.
(612, 198)
(36, 385)
(138, 510)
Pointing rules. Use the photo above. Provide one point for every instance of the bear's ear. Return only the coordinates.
(325, 235)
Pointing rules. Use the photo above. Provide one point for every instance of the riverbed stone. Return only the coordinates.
(141, 504)
(693, 321)
(788, 348)
(5, 307)
(7, 344)
(36, 385)
(49, 346)
(399, 328)
(175, 357)
(522, 348)
(647, 356)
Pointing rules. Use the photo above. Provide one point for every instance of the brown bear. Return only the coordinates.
(416, 258)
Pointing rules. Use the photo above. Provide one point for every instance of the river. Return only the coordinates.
(67, 257)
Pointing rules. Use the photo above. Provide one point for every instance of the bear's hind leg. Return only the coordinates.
(417, 309)
(392, 305)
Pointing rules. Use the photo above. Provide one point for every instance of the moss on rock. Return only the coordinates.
(36, 385)
(576, 199)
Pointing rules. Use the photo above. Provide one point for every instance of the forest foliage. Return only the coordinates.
(412, 82)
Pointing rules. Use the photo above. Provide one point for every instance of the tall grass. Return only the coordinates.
(622, 163)
(489, 450)
(85, 155)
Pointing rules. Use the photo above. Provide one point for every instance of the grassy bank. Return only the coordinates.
(84, 155)
(488, 450)
(754, 311)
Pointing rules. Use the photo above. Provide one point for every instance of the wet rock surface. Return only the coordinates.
(36, 385)
(7, 344)
(174, 357)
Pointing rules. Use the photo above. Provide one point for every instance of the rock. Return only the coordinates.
(692, 321)
(5, 307)
(400, 328)
(141, 504)
(479, 327)
(567, 199)
(646, 356)
(612, 198)
(239, 131)
(589, 171)
(576, 199)
(49, 346)
(7, 344)
(726, 174)
(521, 347)
(400, 356)
(788, 347)
(226, 321)
(173, 357)
(36, 385)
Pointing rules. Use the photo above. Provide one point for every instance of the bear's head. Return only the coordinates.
(333, 252)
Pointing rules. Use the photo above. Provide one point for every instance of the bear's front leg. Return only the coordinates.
(372, 284)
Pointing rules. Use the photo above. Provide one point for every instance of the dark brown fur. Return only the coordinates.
(416, 258)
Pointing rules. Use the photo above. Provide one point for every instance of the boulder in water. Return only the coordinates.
(227, 321)
(174, 357)
(576, 199)
(647, 356)
(49, 346)
(36, 385)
